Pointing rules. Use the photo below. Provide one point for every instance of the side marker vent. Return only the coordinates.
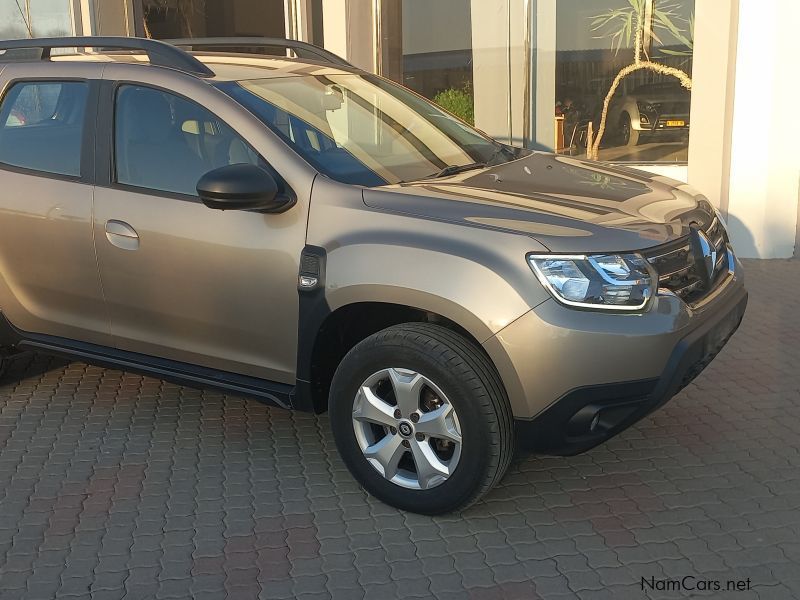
(312, 269)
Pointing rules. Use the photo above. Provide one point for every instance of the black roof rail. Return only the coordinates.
(302, 49)
(158, 52)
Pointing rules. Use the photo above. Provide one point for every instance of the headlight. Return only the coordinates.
(598, 281)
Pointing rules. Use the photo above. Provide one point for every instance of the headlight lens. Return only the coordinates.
(599, 281)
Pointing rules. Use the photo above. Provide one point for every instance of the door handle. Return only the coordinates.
(122, 235)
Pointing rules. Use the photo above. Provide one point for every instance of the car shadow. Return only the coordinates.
(28, 365)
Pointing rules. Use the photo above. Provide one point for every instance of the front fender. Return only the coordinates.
(474, 275)
(471, 295)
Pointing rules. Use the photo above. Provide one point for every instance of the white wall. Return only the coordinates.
(349, 28)
(765, 150)
(490, 73)
(713, 78)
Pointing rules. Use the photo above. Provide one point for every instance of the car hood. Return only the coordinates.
(567, 205)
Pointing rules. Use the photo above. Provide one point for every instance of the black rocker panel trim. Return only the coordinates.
(270, 392)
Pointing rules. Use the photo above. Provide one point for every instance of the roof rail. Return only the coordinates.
(159, 53)
(302, 49)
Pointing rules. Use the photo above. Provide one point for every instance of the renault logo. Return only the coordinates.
(705, 253)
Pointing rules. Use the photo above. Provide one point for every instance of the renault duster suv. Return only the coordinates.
(302, 232)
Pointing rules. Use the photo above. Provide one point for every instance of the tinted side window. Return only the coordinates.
(166, 143)
(41, 126)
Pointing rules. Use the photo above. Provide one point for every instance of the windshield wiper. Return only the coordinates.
(454, 169)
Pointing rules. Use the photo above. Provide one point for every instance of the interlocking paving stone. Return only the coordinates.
(114, 485)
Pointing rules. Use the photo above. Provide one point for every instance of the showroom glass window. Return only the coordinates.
(437, 53)
(459, 54)
(165, 19)
(647, 118)
(428, 47)
(536, 73)
(35, 18)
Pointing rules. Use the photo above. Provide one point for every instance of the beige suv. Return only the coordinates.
(305, 233)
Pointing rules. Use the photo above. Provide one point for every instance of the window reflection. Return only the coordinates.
(538, 72)
(165, 19)
(647, 118)
(437, 53)
(35, 18)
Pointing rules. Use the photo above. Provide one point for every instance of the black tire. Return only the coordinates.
(628, 135)
(472, 387)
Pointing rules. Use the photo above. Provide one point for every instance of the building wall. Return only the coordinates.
(714, 75)
(349, 28)
(765, 144)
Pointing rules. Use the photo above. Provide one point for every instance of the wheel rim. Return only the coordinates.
(407, 428)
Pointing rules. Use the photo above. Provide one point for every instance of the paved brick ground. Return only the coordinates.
(113, 485)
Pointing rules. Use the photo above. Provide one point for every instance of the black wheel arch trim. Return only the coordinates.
(313, 310)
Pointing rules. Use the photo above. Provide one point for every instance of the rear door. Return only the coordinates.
(49, 282)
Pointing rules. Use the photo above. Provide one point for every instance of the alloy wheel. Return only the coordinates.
(407, 428)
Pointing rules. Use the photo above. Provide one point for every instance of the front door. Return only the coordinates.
(182, 281)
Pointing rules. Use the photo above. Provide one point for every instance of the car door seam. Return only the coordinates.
(94, 212)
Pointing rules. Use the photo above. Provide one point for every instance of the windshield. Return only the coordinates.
(361, 129)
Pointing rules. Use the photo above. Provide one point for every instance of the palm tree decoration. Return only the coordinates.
(639, 22)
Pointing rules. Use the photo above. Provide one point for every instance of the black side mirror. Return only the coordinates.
(241, 187)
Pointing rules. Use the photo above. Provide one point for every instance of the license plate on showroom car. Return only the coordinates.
(676, 123)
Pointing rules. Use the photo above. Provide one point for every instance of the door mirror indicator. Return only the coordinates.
(242, 187)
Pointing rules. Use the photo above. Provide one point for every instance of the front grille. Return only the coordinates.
(678, 271)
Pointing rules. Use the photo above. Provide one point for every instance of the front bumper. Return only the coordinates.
(607, 371)
(662, 123)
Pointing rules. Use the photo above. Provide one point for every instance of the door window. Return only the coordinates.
(41, 126)
(166, 143)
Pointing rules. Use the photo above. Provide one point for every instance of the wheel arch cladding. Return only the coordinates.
(337, 331)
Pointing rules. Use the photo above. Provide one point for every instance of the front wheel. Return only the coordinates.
(628, 135)
(421, 419)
